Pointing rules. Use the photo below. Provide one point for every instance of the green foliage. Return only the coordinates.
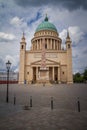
(85, 75)
(80, 78)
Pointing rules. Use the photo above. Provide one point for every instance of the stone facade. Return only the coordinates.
(58, 60)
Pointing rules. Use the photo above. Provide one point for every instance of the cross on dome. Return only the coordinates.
(46, 18)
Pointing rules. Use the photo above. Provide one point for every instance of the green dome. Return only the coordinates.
(45, 25)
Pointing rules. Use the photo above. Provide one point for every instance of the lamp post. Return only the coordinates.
(8, 64)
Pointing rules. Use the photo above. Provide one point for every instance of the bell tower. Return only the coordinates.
(69, 59)
(22, 60)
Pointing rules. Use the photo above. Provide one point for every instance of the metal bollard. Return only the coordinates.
(51, 103)
(30, 101)
(78, 102)
(14, 100)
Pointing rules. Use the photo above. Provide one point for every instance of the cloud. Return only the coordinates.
(19, 24)
(63, 34)
(75, 56)
(85, 51)
(14, 61)
(68, 4)
(16, 21)
(75, 33)
(6, 36)
(34, 19)
(2, 64)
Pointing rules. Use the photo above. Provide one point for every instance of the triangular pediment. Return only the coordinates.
(48, 62)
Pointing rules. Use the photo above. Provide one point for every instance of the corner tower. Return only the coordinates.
(69, 59)
(22, 60)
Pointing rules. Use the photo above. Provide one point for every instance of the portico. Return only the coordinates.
(53, 73)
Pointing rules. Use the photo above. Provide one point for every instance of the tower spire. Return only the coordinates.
(23, 33)
(68, 34)
(23, 36)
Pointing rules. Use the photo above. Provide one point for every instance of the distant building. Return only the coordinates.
(12, 77)
(46, 60)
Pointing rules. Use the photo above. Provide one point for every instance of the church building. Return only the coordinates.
(46, 61)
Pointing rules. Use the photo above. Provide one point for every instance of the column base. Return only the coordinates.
(70, 82)
(59, 82)
(20, 82)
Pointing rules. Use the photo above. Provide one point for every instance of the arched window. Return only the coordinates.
(27, 73)
(68, 45)
(22, 47)
(45, 46)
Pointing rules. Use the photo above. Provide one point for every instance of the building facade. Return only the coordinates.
(13, 77)
(46, 53)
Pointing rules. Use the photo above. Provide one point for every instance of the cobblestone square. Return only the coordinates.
(63, 116)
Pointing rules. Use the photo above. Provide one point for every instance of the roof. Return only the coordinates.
(46, 25)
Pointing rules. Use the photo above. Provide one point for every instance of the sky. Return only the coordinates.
(18, 16)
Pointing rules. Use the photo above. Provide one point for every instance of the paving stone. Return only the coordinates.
(64, 116)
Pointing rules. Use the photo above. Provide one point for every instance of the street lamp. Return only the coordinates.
(8, 64)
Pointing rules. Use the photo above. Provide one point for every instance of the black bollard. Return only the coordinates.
(78, 102)
(14, 100)
(30, 101)
(51, 103)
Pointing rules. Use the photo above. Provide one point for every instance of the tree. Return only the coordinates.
(85, 75)
(78, 78)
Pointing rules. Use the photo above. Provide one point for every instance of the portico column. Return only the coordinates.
(54, 45)
(40, 44)
(32, 46)
(57, 45)
(36, 73)
(51, 43)
(59, 75)
(31, 74)
(53, 73)
(37, 44)
(48, 74)
(47, 44)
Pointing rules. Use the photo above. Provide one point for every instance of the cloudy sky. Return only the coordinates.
(17, 16)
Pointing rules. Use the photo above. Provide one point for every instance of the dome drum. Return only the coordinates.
(46, 33)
